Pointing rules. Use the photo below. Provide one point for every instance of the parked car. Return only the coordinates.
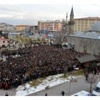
(96, 90)
(82, 93)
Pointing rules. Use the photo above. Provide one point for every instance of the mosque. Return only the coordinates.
(87, 42)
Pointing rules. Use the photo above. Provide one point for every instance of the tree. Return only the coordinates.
(59, 39)
(92, 79)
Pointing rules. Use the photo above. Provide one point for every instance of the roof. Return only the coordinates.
(22, 25)
(87, 58)
(92, 35)
(72, 12)
(2, 38)
(89, 18)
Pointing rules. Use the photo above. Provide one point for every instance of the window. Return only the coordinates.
(3, 41)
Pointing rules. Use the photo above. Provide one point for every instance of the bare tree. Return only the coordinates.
(92, 80)
(59, 39)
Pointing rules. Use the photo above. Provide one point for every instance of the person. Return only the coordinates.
(6, 94)
(86, 76)
(46, 94)
(63, 93)
(0, 85)
(6, 86)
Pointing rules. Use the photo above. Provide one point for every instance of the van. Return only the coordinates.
(96, 90)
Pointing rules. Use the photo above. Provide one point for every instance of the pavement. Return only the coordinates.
(69, 88)
(11, 92)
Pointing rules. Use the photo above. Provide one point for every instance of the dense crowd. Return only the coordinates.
(33, 63)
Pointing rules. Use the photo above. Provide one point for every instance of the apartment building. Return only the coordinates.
(21, 27)
(50, 26)
(85, 24)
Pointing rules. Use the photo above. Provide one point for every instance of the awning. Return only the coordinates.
(87, 58)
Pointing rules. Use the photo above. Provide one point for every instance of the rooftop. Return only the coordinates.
(22, 25)
(2, 38)
(89, 18)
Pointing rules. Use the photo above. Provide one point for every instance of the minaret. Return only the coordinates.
(71, 22)
(66, 17)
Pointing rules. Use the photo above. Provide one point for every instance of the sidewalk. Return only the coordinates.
(69, 88)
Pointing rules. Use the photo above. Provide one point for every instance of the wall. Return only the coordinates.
(3, 42)
(88, 45)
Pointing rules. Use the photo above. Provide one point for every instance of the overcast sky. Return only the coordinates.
(29, 12)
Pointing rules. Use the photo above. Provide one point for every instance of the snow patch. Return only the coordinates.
(48, 82)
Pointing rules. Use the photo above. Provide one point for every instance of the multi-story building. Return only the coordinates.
(85, 24)
(50, 26)
(34, 29)
(21, 27)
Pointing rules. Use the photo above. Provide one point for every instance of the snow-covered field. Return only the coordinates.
(48, 82)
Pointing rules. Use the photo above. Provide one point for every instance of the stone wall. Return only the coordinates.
(88, 45)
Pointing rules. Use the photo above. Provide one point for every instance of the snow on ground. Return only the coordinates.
(50, 81)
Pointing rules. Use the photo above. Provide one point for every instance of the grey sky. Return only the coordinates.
(31, 13)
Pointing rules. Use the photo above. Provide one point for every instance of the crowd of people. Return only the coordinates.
(33, 63)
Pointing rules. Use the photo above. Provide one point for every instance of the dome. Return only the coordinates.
(78, 33)
(96, 26)
(92, 35)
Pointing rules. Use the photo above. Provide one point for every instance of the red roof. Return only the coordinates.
(2, 38)
(89, 18)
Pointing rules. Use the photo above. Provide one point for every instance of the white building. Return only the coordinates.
(3, 42)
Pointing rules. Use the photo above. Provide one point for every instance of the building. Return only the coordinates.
(21, 27)
(34, 29)
(86, 42)
(85, 37)
(68, 26)
(71, 22)
(49, 26)
(85, 24)
(58, 26)
(6, 27)
(3, 42)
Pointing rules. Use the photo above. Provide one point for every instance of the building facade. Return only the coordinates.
(85, 45)
(50, 26)
(21, 27)
(3, 42)
(85, 24)
(34, 29)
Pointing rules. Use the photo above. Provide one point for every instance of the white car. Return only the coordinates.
(96, 90)
(82, 93)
